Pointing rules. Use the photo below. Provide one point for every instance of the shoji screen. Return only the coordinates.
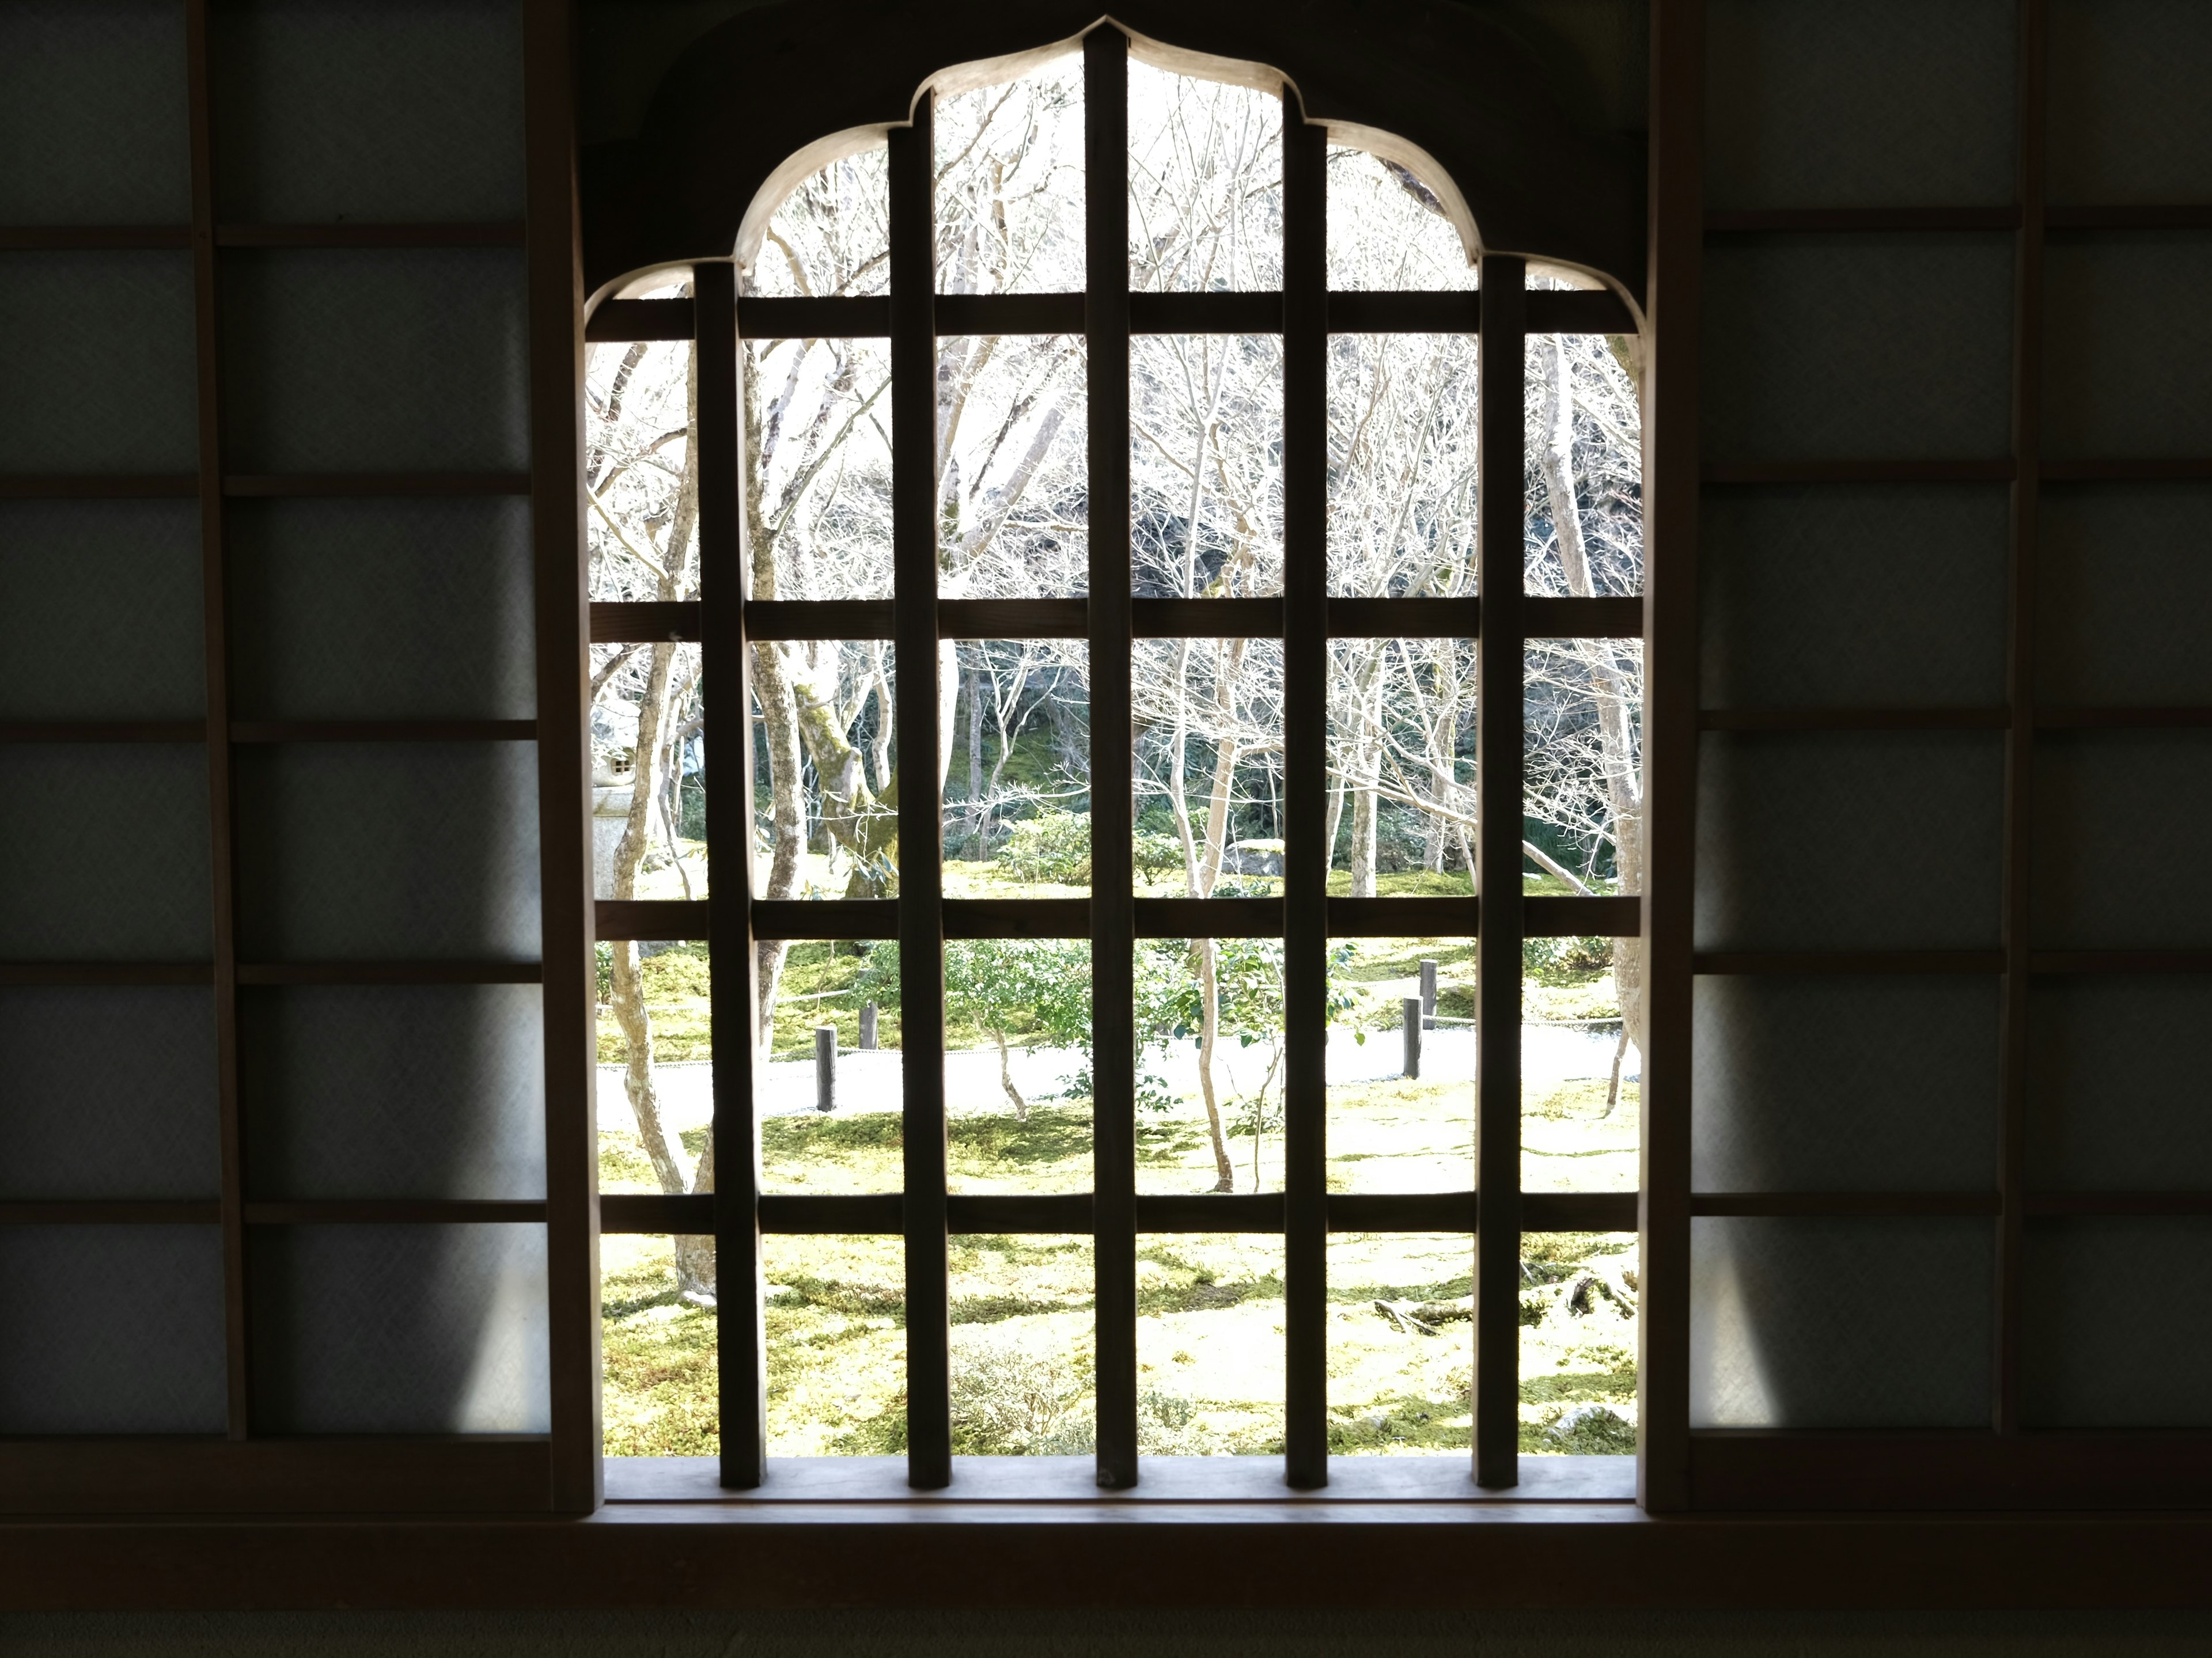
(1952, 921)
(273, 1186)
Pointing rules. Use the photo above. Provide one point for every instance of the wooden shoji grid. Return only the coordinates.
(2003, 1466)
(246, 1468)
(1304, 618)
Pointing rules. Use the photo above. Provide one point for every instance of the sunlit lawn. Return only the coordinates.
(1211, 1306)
(1210, 1337)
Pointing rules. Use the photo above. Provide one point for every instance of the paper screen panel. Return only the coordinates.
(104, 853)
(2121, 374)
(1816, 1083)
(1840, 1323)
(382, 610)
(2126, 585)
(358, 851)
(1859, 596)
(1849, 841)
(357, 110)
(92, 112)
(2119, 840)
(98, 361)
(111, 1330)
(110, 1092)
(1864, 347)
(349, 360)
(394, 1090)
(2116, 1083)
(2113, 1333)
(103, 606)
(1810, 104)
(2129, 119)
(400, 1329)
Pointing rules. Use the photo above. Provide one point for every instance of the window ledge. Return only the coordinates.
(1167, 1481)
(1195, 1535)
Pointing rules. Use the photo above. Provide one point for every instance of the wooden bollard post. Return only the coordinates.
(825, 1067)
(867, 1027)
(1428, 995)
(1413, 1006)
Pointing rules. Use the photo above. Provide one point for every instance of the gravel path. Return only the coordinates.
(869, 1081)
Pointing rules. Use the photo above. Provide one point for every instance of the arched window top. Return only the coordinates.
(758, 106)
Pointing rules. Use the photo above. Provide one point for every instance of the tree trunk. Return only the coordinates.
(1209, 1004)
(1006, 1080)
(1624, 789)
(975, 833)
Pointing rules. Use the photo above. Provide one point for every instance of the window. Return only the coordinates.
(1260, 484)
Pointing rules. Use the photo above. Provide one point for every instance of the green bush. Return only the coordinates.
(1056, 846)
(1565, 961)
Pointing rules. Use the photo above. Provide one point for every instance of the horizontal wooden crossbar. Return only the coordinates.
(1892, 719)
(882, 1213)
(99, 238)
(1888, 962)
(671, 920)
(145, 486)
(868, 315)
(653, 621)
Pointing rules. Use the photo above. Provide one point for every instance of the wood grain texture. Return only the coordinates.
(1499, 694)
(1672, 471)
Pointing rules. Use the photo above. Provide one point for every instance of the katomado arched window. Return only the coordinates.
(1185, 579)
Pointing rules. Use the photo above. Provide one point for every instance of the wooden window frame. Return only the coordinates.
(223, 1524)
(1305, 313)
(2008, 1465)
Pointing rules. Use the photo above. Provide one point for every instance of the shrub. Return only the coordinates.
(1054, 846)
(1565, 961)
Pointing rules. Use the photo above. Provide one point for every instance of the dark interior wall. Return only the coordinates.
(1597, 47)
(1093, 1635)
(1597, 52)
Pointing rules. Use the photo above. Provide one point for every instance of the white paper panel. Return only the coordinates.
(362, 109)
(1862, 347)
(382, 610)
(2119, 1096)
(394, 1091)
(2129, 121)
(2120, 372)
(1817, 1083)
(400, 1329)
(352, 852)
(110, 1092)
(1849, 841)
(1856, 595)
(104, 853)
(2119, 854)
(2113, 1331)
(111, 1330)
(1834, 1323)
(99, 363)
(102, 602)
(1812, 104)
(2126, 587)
(92, 112)
(347, 360)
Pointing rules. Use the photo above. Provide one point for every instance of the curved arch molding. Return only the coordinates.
(745, 96)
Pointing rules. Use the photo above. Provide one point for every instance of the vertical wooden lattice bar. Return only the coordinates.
(220, 792)
(564, 754)
(1113, 905)
(1501, 374)
(2019, 737)
(740, 1342)
(1306, 796)
(921, 909)
(1670, 644)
